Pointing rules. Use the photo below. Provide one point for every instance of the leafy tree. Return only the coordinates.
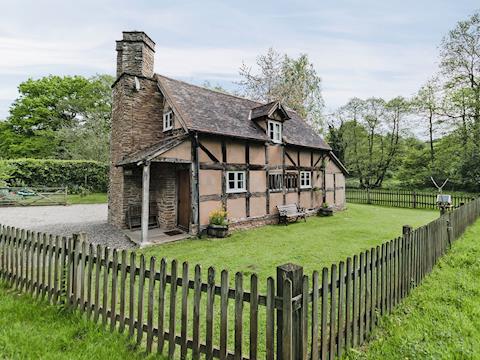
(427, 104)
(460, 66)
(294, 82)
(51, 105)
(369, 137)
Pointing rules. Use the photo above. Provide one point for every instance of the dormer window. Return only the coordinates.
(168, 120)
(275, 131)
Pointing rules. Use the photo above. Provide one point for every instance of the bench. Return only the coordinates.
(134, 216)
(290, 212)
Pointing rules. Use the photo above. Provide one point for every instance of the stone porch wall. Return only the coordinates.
(163, 191)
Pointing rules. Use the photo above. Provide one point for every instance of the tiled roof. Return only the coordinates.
(214, 112)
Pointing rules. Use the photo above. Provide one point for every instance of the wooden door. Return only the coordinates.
(184, 204)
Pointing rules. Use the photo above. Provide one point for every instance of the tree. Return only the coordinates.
(51, 106)
(294, 82)
(427, 104)
(460, 65)
(369, 136)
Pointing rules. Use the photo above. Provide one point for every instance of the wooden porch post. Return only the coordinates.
(145, 200)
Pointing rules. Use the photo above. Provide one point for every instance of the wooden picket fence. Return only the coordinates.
(401, 198)
(183, 313)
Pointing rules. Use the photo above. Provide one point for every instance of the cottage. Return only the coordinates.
(181, 151)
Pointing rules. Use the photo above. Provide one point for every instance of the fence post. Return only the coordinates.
(449, 230)
(406, 229)
(294, 273)
(368, 196)
(414, 199)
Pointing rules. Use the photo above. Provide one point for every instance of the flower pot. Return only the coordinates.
(325, 212)
(218, 231)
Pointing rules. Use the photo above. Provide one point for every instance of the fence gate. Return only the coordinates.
(31, 196)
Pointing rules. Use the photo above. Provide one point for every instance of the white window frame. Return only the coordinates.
(305, 179)
(168, 120)
(274, 130)
(239, 182)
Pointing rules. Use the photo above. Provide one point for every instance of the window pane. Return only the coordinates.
(231, 176)
(231, 185)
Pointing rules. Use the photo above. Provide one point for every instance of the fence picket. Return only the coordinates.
(270, 323)
(209, 313)
(89, 280)
(173, 304)
(196, 312)
(333, 311)
(238, 315)
(113, 293)
(184, 323)
(98, 267)
(324, 312)
(315, 295)
(81, 275)
(161, 305)
(224, 285)
(105, 285)
(150, 302)
(254, 316)
(140, 299)
(131, 298)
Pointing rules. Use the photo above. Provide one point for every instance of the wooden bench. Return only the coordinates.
(134, 216)
(290, 212)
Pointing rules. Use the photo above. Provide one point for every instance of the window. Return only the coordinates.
(291, 181)
(168, 121)
(275, 181)
(235, 181)
(305, 179)
(275, 131)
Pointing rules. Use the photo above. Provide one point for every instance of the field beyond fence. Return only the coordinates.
(401, 198)
(183, 312)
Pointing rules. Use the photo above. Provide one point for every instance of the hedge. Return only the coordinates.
(75, 174)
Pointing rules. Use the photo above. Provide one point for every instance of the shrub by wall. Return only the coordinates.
(75, 174)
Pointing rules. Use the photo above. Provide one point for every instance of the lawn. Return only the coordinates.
(441, 318)
(315, 244)
(31, 329)
(93, 198)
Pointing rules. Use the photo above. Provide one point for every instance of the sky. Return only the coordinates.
(359, 48)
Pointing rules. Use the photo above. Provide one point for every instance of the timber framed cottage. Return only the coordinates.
(181, 151)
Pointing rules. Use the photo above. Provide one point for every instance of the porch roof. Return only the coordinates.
(150, 153)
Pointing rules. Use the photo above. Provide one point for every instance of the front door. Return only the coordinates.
(184, 203)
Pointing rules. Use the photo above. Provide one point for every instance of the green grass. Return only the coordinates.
(93, 198)
(441, 318)
(30, 329)
(315, 244)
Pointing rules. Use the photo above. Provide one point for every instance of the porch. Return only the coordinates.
(157, 202)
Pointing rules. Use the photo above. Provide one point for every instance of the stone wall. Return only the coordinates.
(163, 191)
(164, 182)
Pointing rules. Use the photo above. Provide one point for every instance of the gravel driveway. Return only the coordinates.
(65, 220)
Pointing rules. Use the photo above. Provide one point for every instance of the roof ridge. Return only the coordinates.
(216, 91)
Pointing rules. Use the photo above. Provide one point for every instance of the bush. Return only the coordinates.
(81, 175)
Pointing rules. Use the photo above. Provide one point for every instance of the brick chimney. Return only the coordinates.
(135, 54)
(137, 117)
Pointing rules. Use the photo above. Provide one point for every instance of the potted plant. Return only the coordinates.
(325, 210)
(218, 223)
